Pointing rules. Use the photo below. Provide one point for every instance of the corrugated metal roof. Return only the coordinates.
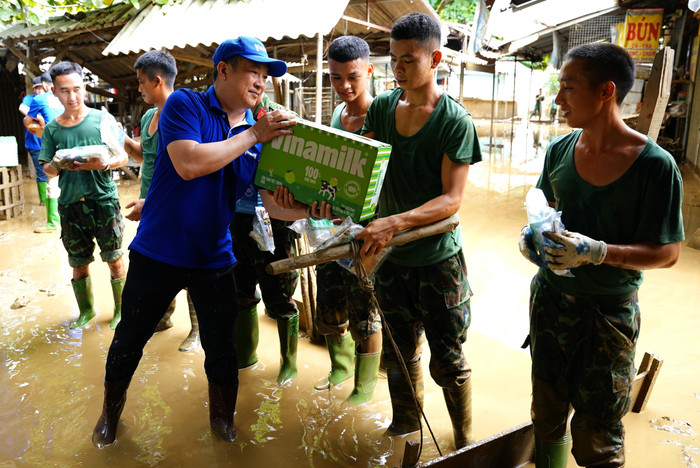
(206, 22)
(511, 28)
(116, 15)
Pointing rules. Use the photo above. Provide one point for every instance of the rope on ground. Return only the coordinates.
(367, 285)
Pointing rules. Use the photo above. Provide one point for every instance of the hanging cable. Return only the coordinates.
(367, 285)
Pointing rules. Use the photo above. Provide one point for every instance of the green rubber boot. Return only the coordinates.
(247, 337)
(53, 220)
(289, 339)
(165, 321)
(459, 406)
(41, 188)
(82, 289)
(366, 372)
(553, 454)
(341, 349)
(117, 288)
(192, 340)
(405, 415)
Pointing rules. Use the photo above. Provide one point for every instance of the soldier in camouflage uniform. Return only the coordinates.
(618, 187)
(89, 203)
(422, 287)
(345, 313)
(277, 290)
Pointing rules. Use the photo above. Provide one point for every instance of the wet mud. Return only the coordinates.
(51, 377)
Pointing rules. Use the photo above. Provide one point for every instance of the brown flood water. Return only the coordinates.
(51, 377)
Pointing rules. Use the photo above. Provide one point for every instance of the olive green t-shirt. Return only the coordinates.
(642, 205)
(414, 174)
(77, 185)
(149, 144)
(336, 121)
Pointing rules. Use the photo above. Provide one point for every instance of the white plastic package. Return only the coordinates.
(541, 218)
(111, 151)
(262, 230)
(112, 135)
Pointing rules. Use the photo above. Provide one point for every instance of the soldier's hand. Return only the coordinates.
(571, 250)
(376, 235)
(526, 244)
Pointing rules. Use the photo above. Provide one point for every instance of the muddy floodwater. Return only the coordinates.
(51, 377)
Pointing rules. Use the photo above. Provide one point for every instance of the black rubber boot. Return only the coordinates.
(406, 418)
(105, 432)
(222, 405)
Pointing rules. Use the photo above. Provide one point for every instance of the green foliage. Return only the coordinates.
(455, 11)
(552, 84)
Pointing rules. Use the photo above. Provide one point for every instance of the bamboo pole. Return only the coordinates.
(345, 250)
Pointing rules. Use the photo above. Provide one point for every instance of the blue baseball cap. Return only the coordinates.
(252, 49)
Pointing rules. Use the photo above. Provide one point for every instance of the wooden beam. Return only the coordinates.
(345, 250)
(107, 94)
(656, 95)
(199, 60)
(509, 449)
(32, 66)
(644, 381)
(366, 23)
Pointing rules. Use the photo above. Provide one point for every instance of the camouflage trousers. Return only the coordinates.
(582, 352)
(342, 303)
(87, 221)
(249, 271)
(430, 301)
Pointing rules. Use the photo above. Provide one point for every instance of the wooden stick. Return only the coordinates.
(345, 250)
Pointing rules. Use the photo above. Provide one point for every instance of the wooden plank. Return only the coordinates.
(345, 250)
(509, 449)
(411, 454)
(657, 92)
(11, 192)
(640, 403)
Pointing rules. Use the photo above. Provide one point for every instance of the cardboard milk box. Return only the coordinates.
(320, 163)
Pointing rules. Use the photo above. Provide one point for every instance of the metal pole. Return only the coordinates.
(319, 77)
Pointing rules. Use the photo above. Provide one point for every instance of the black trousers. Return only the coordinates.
(150, 287)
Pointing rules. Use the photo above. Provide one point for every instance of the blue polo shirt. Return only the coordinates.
(31, 141)
(185, 222)
(47, 105)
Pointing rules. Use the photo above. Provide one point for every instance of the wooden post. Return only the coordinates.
(411, 454)
(656, 95)
(345, 250)
(645, 380)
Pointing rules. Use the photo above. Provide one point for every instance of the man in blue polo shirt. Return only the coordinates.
(208, 145)
(33, 142)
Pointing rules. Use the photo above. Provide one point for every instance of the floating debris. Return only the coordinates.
(19, 303)
(674, 426)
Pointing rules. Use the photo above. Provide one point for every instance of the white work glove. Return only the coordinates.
(527, 247)
(571, 250)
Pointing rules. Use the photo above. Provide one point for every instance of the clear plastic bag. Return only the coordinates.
(65, 158)
(541, 218)
(262, 230)
(112, 135)
(323, 234)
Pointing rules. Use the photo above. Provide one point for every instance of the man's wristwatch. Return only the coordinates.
(106, 168)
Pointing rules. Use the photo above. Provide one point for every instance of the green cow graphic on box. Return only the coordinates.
(320, 163)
